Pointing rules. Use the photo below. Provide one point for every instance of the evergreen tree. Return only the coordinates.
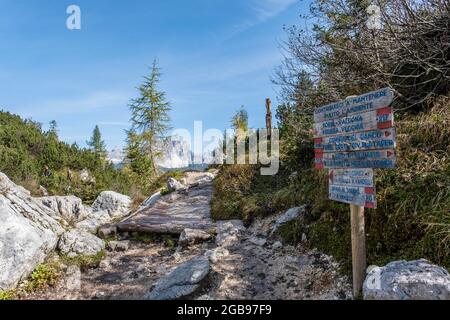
(138, 162)
(150, 115)
(53, 130)
(96, 144)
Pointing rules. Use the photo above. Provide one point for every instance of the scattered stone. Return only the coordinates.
(118, 245)
(229, 232)
(192, 236)
(107, 231)
(258, 241)
(216, 254)
(117, 205)
(290, 215)
(86, 177)
(77, 242)
(174, 185)
(277, 245)
(181, 282)
(407, 280)
(43, 191)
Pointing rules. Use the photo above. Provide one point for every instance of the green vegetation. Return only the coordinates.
(150, 123)
(7, 295)
(413, 216)
(33, 158)
(97, 145)
(84, 261)
(44, 275)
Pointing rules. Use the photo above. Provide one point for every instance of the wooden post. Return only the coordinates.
(358, 249)
(268, 116)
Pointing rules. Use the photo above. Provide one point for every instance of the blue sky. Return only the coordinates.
(216, 55)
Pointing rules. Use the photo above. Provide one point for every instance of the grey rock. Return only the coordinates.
(290, 215)
(28, 233)
(117, 205)
(191, 236)
(257, 241)
(43, 191)
(151, 200)
(86, 177)
(118, 245)
(407, 280)
(70, 208)
(277, 245)
(174, 185)
(217, 254)
(181, 282)
(94, 221)
(78, 242)
(107, 231)
(229, 232)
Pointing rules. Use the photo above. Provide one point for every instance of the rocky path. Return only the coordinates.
(240, 263)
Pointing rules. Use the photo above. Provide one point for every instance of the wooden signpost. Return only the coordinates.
(352, 137)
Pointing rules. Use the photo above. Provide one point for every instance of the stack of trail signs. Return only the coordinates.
(352, 137)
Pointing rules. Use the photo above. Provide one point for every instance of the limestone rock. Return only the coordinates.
(191, 236)
(78, 242)
(70, 208)
(118, 245)
(28, 233)
(117, 205)
(181, 282)
(229, 232)
(290, 215)
(407, 280)
(152, 199)
(94, 221)
(107, 231)
(174, 185)
(217, 254)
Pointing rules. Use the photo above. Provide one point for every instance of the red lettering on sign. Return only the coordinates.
(385, 124)
(369, 204)
(385, 110)
(369, 190)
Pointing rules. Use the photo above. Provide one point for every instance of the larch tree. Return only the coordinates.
(150, 115)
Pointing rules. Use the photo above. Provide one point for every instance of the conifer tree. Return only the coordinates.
(150, 115)
(96, 144)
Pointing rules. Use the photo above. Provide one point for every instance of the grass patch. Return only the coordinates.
(44, 275)
(8, 295)
(84, 261)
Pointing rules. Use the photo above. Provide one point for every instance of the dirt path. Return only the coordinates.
(244, 263)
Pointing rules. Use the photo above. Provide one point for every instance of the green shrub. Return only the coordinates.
(44, 275)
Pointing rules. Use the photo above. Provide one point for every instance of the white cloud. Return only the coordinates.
(266, 9)
(260, 12)
(92, 102)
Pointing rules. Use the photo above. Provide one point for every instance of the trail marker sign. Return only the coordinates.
(351, 137)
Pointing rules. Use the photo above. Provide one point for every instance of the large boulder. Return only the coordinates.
(28, 233)
(407, 280)
(117, 205)
(78, 242)
(70, 208)
(181, 282)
